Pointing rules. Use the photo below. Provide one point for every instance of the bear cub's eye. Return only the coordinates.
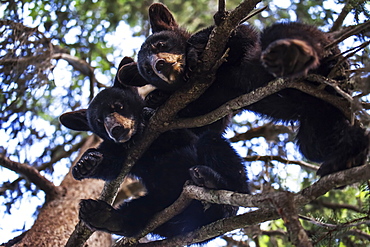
(117, 106)
(161, 45)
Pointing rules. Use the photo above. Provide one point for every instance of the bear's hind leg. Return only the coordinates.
(333, 141)
(219, 162)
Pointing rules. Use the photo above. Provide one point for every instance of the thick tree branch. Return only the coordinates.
(80, 235)
(256, 95)
(288, 211)
(215, 229)
(33, 175)
(319, 188)
(332, 181)
(267, 203)
(231, 106)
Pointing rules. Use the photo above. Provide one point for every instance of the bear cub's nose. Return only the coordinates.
(119, 132)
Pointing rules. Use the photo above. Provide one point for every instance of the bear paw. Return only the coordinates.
(206, 177)
(289, 57)
(156, 98)
(99, 215)
(339, 164)
(87, 164)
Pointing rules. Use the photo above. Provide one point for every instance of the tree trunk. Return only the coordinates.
(58, 217)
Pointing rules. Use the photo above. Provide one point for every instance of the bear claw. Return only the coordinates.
(289, 57)
(87, 164)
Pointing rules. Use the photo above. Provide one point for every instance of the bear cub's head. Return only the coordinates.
(161, 59)
(115, 115)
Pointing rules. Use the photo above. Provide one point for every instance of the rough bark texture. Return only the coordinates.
(58, 217)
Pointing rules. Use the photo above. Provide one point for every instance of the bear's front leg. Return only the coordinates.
(87, 164)
(99, 215)
(289, 57)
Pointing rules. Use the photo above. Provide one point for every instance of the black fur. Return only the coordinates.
(285, 49)
(175, 157)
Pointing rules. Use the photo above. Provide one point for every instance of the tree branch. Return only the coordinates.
(76, 63)
(231, 106)
(54, 159)
(268, 158)
(348, 32)
(319, 188)
(266, 203)
(215, 229)
(233, 242)
(82, 66)
(274, 233)
(33, 175)
(343, 14)
(341, 103)
(336, 206)
(269, 131)
(256, 95)
(288, 211)
(177, 207)
(358, 233)
(343, 225)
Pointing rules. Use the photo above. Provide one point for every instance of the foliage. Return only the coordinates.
(35, 35)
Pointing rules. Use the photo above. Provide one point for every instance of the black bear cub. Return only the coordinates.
(116, 115)
(254, 59)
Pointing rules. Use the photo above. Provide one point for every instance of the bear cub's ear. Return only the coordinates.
(128, 74)
(161, 18)
(75, 120)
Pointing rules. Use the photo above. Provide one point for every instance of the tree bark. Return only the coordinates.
(58, 217)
